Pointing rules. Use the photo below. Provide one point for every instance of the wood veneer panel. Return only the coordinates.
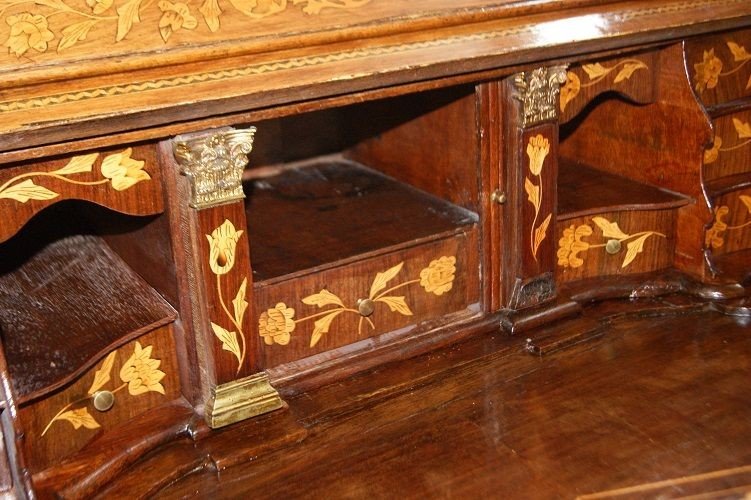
(583, 190)
(66, 306)
(332, 210)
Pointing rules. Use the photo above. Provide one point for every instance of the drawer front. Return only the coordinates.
(731, 229)
(140, 375)
(325, 310)
(720, 67)
(730, 153)
(615, 243)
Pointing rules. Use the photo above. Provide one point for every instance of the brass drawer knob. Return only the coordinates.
(613, 247)
(103, 400)
(498, 197)
(365, 307)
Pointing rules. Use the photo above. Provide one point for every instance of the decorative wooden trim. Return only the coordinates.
(214, 165)
(538, 92)
(596, 73)
(41, 102)
(241, 399)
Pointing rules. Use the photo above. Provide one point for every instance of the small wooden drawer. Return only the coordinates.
(128, 381)
(720, 67)
(728, 160)
(615, 243)
(341, 253)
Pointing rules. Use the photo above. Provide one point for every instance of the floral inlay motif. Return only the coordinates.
(537, 150)
(572, 242)
(708, 72)
(140, 374)
(276, 324)
(715, 235)
(222, 251)
(742, 129)
(30, 28)
(119, 169)
(596, 72)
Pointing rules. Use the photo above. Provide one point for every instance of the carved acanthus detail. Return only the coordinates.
(538, 91)
(214, 164)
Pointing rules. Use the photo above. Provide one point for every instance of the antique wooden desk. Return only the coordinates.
(206, 204)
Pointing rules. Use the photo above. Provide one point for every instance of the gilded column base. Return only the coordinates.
(241, 399)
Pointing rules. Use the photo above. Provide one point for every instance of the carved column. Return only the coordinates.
(531, 167)
(211, 244)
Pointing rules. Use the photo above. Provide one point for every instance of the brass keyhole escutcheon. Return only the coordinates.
(365, 307)
(104, 400)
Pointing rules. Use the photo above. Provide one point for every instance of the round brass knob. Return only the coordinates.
(103, 400)
(498, 197)
(613, 247)
(365, 307)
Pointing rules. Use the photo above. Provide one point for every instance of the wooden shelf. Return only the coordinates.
(67, 306)
(330, 211)
(583, 190)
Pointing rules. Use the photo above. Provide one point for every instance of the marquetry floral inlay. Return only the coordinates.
(537, 150)
(743, 131)
(708, 72)
(276, 324)
(222, 251)
(596, 73)
(119, 169)
(572, 243)
(139, 374)
(715, 235)
(31, 27)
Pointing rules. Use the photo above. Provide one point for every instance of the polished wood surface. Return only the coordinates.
(610, 400)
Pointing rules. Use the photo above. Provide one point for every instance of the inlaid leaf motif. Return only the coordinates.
(739, 52)
(228, 339)
(323, 298)
(628, 70)
(379, 283)
(396, 304)
(322, 326)
(239, 303)
(127, 14)
(102, 375)
(78, 164)
(596, 70)
(259, 8)
(75, 33)
(746, 200)
(211, 12)
(53, 4)
(748, 85)
(609, 229)
(79, 418)
(742, 128)
(634, 248)
(533, 193)
(27, 190)
(540, 233)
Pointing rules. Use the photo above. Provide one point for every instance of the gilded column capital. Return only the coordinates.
(214, 164)
(538, 91)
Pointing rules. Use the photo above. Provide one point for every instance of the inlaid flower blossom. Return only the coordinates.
(537, 149)
(141, 372)
(571, 244)
(123, 171)
(276, 324)
(174, 17)
(223, 246)
(438, 277)
(99, 6)
(708, 71)
(27, 31)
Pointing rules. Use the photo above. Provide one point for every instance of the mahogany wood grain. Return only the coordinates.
(330, 210)
(661, 144)
(639, 400)
(68, 305)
